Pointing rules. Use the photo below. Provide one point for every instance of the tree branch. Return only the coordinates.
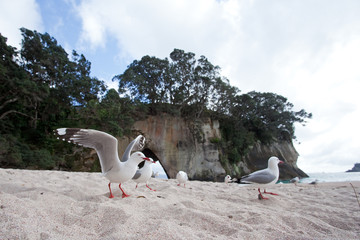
(7, 102)
(13, 111)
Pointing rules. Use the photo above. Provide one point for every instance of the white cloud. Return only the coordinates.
(331, 92)
(17, 14)
(157, 27)
(307, 51)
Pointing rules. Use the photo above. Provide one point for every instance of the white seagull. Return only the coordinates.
(106, 146)
(182, 177)
(143, 174)
(269, 175)
(295, 180)
(227, 179)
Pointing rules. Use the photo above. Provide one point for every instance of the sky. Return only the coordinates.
(305, 50)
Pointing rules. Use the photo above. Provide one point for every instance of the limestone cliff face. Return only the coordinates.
(182, 145)
(191, 146)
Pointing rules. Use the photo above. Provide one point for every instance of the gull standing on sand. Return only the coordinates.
(269, 175)
(182, 177)
(106, 146)
(227, 179)
(143, 174)
(295, 180)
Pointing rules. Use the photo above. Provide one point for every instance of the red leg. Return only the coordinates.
(150, 188)
(179, 184)
(260, 195)
(136, 186)
(111, 195)
(269, 192)
(124, 195)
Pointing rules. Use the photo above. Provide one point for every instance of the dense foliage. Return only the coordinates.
(183, 86)
(193, 88)
(42, 89)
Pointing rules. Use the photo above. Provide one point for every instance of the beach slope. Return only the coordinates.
(73, 205)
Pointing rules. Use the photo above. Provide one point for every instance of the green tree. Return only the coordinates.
(268, 115)
(67, 82)
(188, 85)
(18, 94)
(40, 90)
(112, 114)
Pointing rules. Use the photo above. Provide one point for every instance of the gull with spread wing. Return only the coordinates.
(106, 146)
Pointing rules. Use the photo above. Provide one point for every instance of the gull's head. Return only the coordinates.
(273, 162)
(138, 157)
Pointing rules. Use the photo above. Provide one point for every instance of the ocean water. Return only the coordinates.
(332, 177)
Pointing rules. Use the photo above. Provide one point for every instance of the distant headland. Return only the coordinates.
(356, 168)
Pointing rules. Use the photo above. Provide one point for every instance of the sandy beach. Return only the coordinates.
(73, 205)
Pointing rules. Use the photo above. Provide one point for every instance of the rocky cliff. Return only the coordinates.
(182, 145)
(284, 150)
(191, 146)
(356, 168)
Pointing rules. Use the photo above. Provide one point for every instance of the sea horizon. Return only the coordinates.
(331, 177)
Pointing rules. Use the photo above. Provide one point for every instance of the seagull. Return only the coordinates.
(269, 175)
(106, 146)
(227, 179)
(143, 174)
(295, 180)
(182, 177)
(314, 182)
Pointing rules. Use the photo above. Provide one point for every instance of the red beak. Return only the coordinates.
(280, 162)
(148, 159)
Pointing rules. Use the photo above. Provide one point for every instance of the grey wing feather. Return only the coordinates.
(137, 174)
(105, 145)
(262, 176)
(137, 144)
